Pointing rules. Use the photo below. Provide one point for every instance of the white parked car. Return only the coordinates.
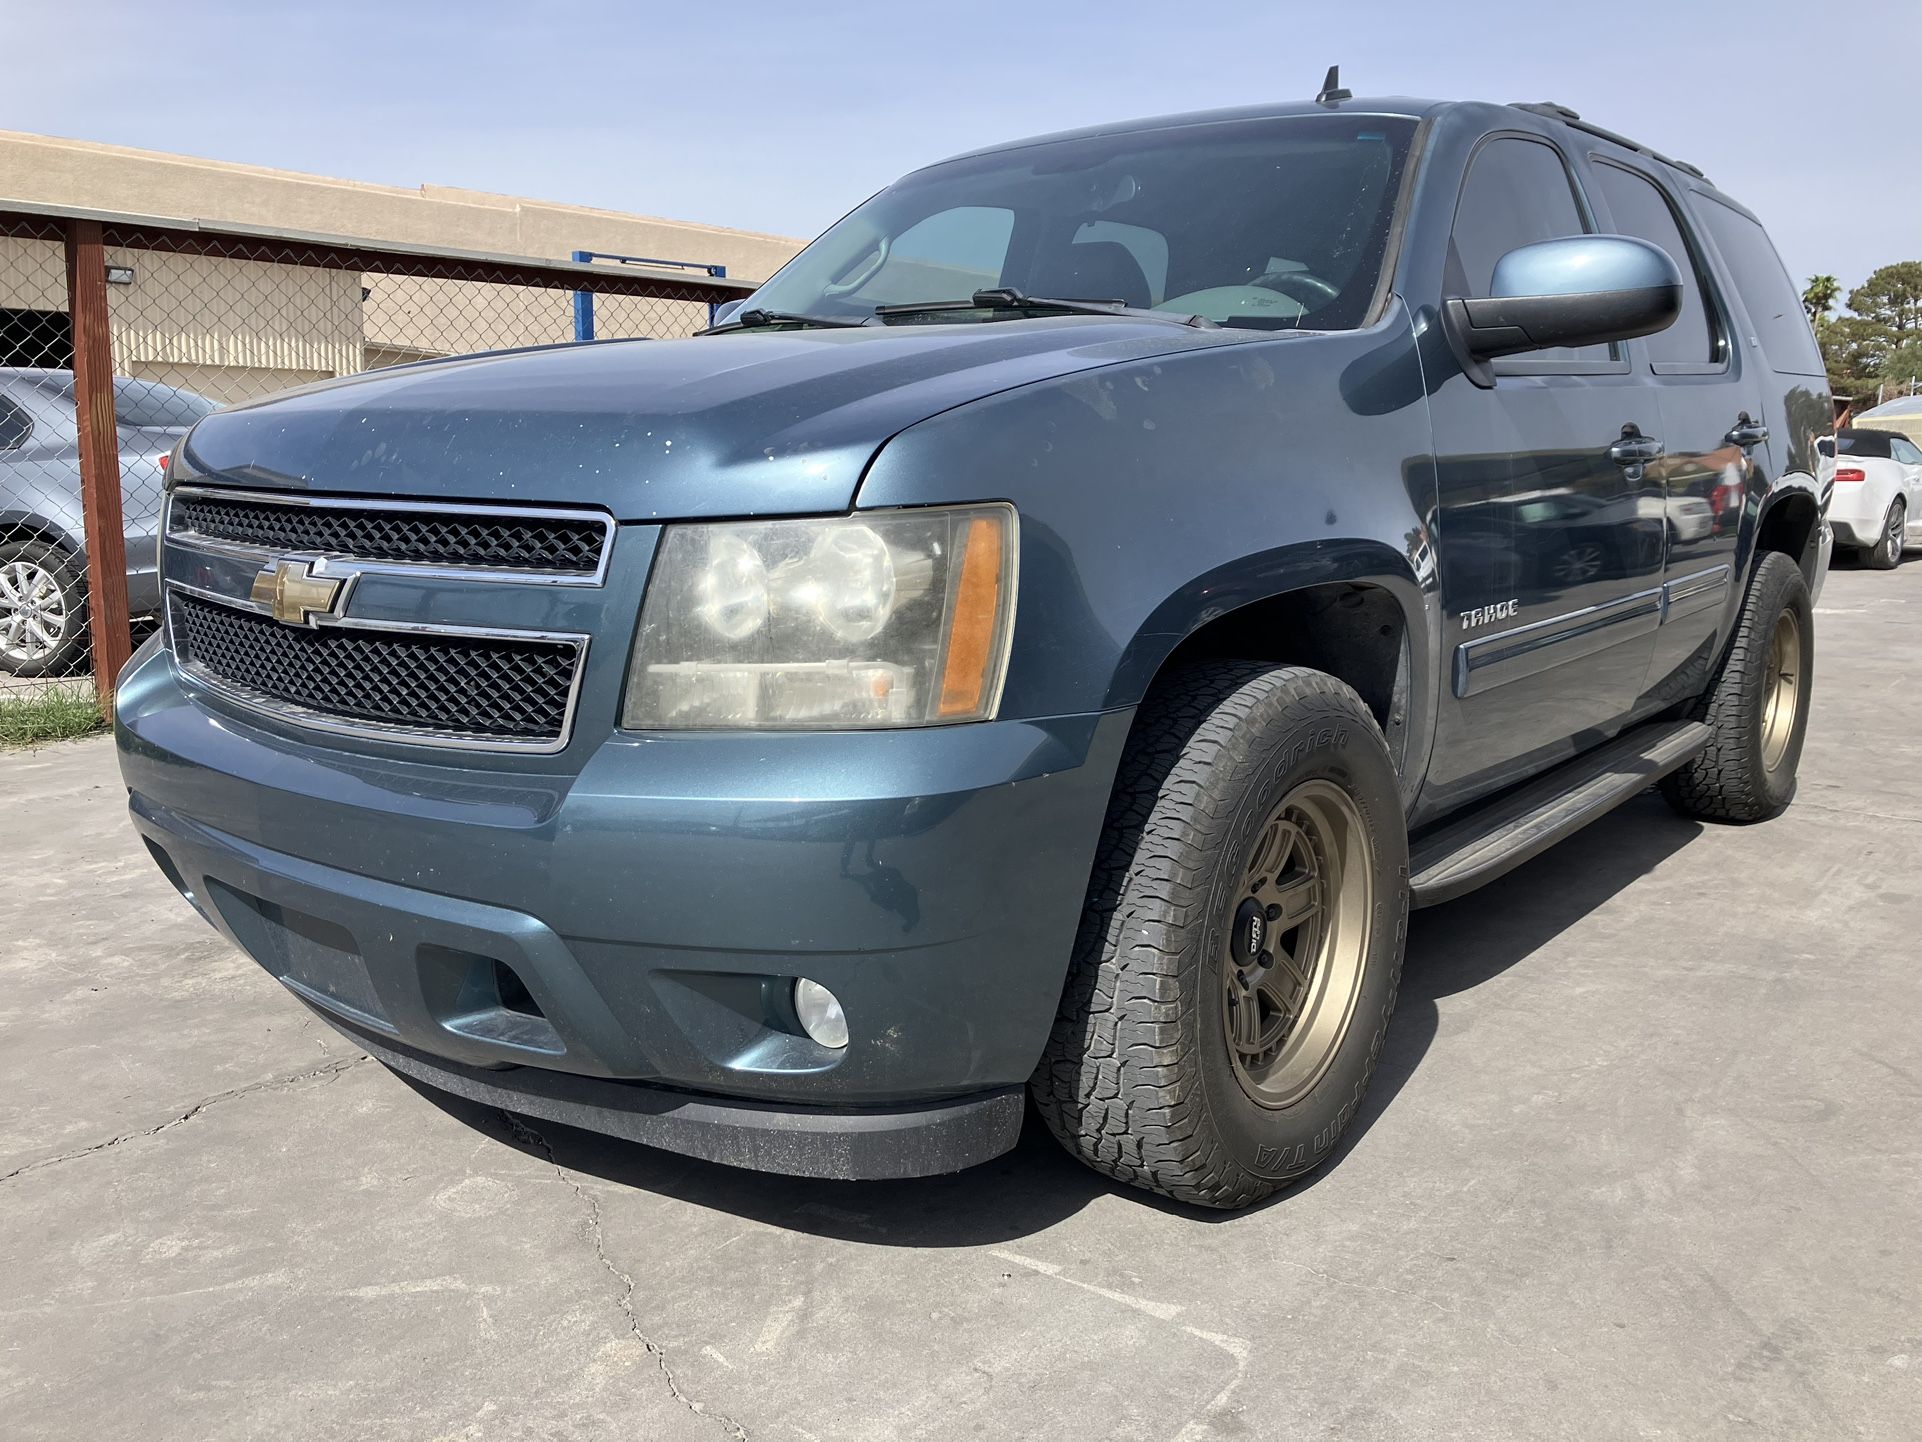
(1877, 505)
(1689, 518)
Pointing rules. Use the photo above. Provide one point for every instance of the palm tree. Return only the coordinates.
(1820, 297)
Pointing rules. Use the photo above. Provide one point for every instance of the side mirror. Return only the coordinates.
(725, 311)
(1583, 290)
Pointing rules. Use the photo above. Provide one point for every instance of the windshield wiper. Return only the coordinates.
(1007, 298)
(751, 319)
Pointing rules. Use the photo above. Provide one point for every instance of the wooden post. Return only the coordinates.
(99, 455)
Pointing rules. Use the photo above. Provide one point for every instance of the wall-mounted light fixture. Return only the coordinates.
(119, 275)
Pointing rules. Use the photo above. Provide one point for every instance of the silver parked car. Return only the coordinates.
(43, 566)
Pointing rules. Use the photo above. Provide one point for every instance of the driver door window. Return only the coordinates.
(1518, 191)
(1550, 552)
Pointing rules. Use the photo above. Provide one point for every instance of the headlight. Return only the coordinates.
(886, 618)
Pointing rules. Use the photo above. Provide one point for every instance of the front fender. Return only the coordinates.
(1158, 492)
(1264, 576)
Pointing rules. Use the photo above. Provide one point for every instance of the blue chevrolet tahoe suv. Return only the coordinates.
(1040, 645)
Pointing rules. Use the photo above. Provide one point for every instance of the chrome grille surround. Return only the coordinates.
(553, 546)
(461, 687)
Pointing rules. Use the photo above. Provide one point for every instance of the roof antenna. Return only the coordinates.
(1331, 92)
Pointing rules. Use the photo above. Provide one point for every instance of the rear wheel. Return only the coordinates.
(43, 612)
(1886, 554)
(1758, 710)
(1237, 963)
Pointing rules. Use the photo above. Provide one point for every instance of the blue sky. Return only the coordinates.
(777, 117)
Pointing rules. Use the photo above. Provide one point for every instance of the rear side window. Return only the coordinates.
(15, 425)
(149, 405)
(1905, 451)
(1773, 304)
(1639, 208)
(1517, 192)
(1864, 443)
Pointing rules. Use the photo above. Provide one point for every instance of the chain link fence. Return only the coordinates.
(193, 319)
(43, 631)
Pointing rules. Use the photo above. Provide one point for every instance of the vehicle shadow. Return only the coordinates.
(1451, 948)
(1461, 944)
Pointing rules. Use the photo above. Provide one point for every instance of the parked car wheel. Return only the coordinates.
(1237, 963)
(1886, 554)
(1580, 564)
(1758, 709)
(43, 609)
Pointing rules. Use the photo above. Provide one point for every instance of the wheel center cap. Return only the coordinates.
(1250, 931)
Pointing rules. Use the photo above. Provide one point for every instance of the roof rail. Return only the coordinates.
(1552, 111)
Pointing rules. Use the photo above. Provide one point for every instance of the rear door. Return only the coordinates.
(1906, 453)
(1550, 526)
(1715, 446)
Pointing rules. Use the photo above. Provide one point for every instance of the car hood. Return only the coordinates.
(763, 423)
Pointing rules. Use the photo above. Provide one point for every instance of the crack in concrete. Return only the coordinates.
(1804, 804)
(330, 1071)
(626, 1299)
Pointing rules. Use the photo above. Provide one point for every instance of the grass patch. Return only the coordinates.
(57, 712)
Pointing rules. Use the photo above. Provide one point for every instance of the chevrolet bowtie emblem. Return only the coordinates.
(290, 591)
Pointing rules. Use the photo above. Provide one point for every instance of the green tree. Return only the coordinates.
(1854, 349)
(1902, 367)
(1892, 298)
(1876, 345)
(1820, 296)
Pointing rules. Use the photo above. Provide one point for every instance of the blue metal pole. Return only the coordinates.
(719, 272)
(583, 303)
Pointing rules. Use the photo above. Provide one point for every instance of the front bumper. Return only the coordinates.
(616, 948)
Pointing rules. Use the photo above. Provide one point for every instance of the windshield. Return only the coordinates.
(1276, 224)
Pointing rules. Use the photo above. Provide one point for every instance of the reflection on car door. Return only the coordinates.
(1549, 517)
(1716, 451)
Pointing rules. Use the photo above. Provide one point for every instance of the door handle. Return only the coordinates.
(1634, 448)
(1748, 432)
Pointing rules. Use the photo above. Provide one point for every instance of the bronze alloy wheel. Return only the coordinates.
(1781, 689)
(1260, 801)
(1297, 942)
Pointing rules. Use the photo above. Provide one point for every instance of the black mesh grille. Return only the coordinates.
(505, 690)
(562, 545)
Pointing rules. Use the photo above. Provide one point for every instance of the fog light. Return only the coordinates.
(820, 1013)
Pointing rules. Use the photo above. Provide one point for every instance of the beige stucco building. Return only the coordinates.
(232, 329)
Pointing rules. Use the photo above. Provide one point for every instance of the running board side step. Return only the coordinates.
(1498, 838)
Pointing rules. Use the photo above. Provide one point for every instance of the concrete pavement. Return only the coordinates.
(1642, 1162)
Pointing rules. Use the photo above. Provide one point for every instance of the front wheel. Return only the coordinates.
(1238, 959)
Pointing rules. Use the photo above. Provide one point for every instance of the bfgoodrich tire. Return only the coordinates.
(1758, 709)
(1237, 962)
